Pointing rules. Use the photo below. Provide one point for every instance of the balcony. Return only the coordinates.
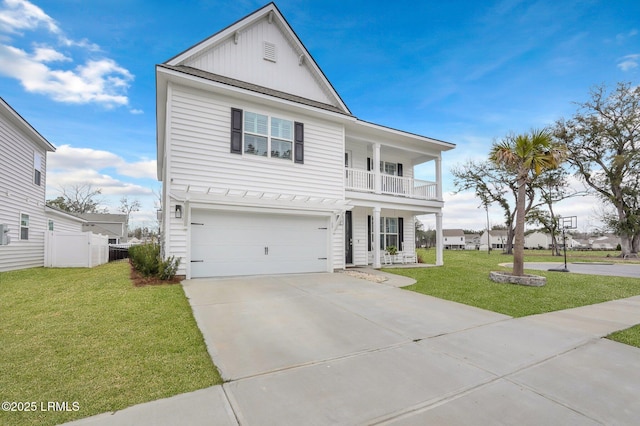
(365, 181)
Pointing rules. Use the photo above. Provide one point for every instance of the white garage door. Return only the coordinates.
(236, 243)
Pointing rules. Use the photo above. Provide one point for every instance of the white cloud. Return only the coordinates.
(47, 54)
(136, 111)
(97, 80)
(106, 171)
(18, 15)
(629, 62)
(108, 184)
(67, 158)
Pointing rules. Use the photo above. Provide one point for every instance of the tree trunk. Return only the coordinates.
(508, 247)
(518, 246)
(625, 246)
(555, 250)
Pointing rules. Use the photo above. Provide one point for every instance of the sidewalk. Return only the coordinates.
(409, 359)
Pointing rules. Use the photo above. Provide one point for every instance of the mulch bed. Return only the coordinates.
(140, 280)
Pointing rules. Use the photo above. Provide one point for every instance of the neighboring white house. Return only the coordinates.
(114, 226)
(58, 220)
(264, 168)
(472, 241)
(538, 240)
(605, 242)
(453, 239)
(497, 239)
(23, 154)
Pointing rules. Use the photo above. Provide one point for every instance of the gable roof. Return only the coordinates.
(250, 86)
(103, 217)
(7, 111)
(234, 31)
(61, 213)
(453, 233)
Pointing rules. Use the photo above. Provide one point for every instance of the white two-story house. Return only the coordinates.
(265, 169)
(23, 157)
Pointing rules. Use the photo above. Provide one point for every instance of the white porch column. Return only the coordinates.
(439, 240)
(439, 178)
(376, 168)
(376, 237)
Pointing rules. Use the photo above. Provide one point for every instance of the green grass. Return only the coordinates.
(464, 278)
(630, 336)
(89, 336)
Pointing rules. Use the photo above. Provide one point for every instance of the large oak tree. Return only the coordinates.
(603, 140)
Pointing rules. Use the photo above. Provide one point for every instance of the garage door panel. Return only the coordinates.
(233, 243)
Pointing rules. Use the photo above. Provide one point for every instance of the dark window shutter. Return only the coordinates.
(399, 169)
(401, 233)
(369, 164)
(236, 131)
(369, 232)
(299, 142)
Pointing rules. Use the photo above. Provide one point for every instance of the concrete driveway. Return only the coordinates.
(332, 349)
(325, 349)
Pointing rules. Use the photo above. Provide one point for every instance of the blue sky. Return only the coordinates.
(468, 72)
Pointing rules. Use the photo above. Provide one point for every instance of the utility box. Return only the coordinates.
(5, 239)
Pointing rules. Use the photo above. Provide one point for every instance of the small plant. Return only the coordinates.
(147, 260)
(392, 250)
(168, 268)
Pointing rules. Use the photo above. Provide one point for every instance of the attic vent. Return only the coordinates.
(269, 51)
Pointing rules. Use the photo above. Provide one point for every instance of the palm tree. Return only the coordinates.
(526, 156)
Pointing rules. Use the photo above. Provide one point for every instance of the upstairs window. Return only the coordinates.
(37, 167)
(256, 132)
(266, 136)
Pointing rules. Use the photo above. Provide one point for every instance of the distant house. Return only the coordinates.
(497, 239)
(605, 242)
(453, 239)
(472, 241)
(537, 240)
(22, 190)
(112, 225)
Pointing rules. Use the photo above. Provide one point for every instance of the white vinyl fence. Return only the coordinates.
(75, 249)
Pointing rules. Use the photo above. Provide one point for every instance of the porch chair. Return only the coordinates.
(410, 257)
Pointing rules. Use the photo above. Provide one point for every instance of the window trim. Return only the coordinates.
(269, 136)
(24, 227)
(37, 168)
(294, 143)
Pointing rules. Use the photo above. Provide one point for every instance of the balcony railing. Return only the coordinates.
(364, 181)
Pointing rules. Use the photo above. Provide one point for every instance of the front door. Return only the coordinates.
(348, 239)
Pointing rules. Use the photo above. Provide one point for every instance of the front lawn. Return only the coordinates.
(464, 278)
(89, 336)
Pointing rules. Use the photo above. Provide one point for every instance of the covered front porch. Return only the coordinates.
(371, 232)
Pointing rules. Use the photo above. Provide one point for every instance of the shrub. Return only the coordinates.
(146, 259)
(168, 268)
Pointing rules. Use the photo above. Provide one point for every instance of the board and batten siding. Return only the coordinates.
(245, 61)
(19, 194)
